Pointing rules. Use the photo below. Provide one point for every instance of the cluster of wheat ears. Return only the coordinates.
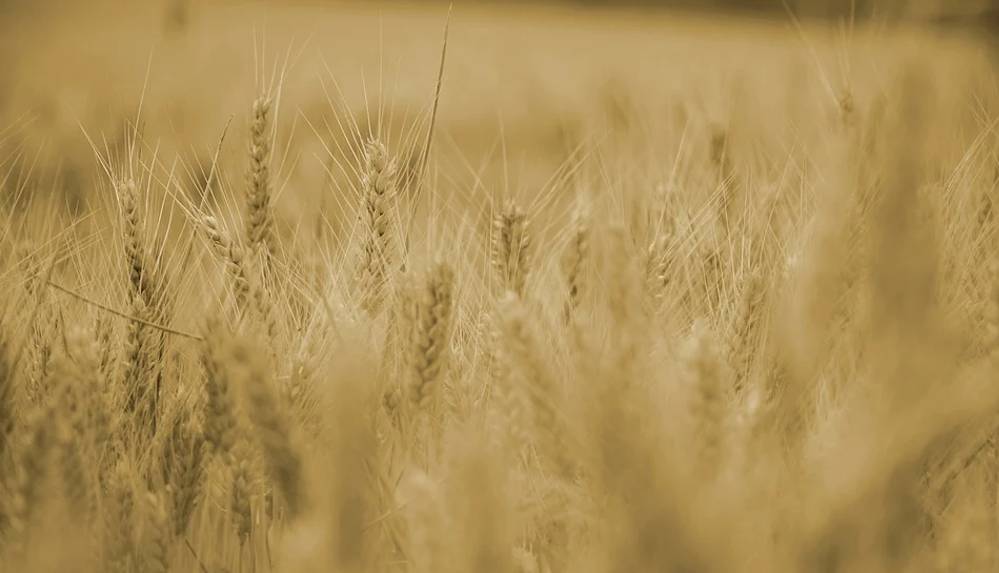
(733, 368)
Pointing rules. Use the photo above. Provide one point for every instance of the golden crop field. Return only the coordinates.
(345, 287)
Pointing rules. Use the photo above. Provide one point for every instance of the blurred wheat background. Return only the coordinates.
(501, 287)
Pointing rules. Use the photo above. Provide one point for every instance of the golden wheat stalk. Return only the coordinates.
(511, 248)
(260, 217)
(431, 335)
(379, 188)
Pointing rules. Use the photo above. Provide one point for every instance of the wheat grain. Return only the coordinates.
(260, 218)
(431, 335)
(511, 248)
(379, 188)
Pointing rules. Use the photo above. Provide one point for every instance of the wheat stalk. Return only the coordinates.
(260, 216)
(379, 189)
(431, 335)
(511, 248)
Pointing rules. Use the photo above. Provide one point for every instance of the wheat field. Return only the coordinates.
(391, 287)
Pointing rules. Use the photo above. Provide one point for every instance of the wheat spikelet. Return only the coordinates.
(26, 260)
(249, 295)
(240, 508)
(657, 267)
(746, 327)
(140, 371)
(105, 334)
(40, 352)
(139, 276)
(431, 335)
(521, 344)
(510, 410)
(379, 188)
(260, 217)
(144, 347)
(511, 248)
(154, 534)
(300, 390)
(659, 257)
(574, 261)
(270, 422)
(401, 327)
(32, 466)
(94, 423)
(42, 330)
(183, 460)
(220, 404)
(232, 255)
(538, 384)
(74, 472)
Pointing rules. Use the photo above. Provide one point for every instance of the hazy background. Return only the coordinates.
(523, 79)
